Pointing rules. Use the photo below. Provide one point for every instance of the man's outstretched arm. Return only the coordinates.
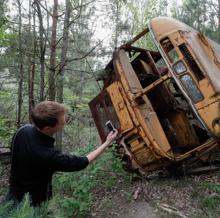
(97, 152)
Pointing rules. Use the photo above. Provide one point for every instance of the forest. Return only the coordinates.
(56, 50)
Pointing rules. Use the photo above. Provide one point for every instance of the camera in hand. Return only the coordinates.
(110, 126)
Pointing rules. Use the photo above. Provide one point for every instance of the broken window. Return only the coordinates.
(102, 116)
(179, 67)
(112, 113)
(191, 88)
(169, 50)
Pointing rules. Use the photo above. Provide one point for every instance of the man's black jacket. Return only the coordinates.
(34, 160)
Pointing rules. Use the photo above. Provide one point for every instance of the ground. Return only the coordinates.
(152, 197)
(185, 196)
(121, 204)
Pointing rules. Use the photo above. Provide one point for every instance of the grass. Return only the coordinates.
(207, 195)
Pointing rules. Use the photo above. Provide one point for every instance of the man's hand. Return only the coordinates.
(111, 136)
(98, 151)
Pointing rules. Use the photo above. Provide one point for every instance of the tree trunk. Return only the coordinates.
(31, 88)
(219, 21)
(42, 51)
(21, 71)
(116, 23)
(52, 92)
(63, 52)
(62, 64)
(31, 61)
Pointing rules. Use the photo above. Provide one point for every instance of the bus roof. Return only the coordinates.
(162, 26)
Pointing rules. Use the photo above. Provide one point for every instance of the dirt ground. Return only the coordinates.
(155, 197)
(122, 206)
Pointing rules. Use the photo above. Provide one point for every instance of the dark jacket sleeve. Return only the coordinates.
(67, 163)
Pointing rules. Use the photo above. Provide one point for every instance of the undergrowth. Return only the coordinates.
(6, 131)
(208, 195)
(73, 191)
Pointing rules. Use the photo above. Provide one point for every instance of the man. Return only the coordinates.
(34, 158)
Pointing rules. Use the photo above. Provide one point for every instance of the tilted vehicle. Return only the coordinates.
(164, 101)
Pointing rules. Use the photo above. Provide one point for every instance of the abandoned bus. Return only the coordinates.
(164, 101)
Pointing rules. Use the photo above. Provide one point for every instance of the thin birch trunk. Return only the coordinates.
(52, 91)
(42, 51)
(31, 61)
(117, 22)
(21, 70)
(219, 21)
(62, 64)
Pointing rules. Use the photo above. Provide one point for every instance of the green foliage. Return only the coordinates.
(208, 195)
(5, 208)
(211, 202)
(7, 111)
(6, 132)
(201, 15)
(21, 210)
(75, 189)
(6, 38)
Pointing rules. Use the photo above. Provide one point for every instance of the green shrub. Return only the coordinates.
(211, 202)
(208, 195)
(22, 210)
(6, 132)
(74, 190)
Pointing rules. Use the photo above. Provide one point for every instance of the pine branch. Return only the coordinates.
(87, 54)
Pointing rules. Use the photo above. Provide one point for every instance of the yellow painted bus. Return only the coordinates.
(165, 101)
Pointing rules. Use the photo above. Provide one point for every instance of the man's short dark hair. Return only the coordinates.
(46, 113)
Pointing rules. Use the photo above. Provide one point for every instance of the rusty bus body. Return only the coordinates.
(165, 102)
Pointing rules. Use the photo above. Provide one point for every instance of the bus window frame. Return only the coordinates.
(167, 53)
(186, 69)
(187, 90)
(101, 100)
